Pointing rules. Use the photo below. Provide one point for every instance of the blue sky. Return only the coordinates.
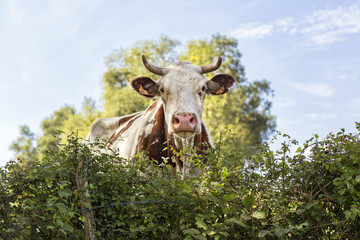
(52, 54)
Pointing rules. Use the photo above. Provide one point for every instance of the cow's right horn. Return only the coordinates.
(152, 68)
(211, 67)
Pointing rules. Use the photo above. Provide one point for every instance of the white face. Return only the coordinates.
(182, 88)
(183, 91)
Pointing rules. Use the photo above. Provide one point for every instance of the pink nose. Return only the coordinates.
(184, 122)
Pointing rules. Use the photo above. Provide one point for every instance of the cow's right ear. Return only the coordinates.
(145, 86)
(220, 84)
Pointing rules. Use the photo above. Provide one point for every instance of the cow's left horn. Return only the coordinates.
(152, 68)
(211, 67)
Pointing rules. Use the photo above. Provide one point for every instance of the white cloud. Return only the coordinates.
(253, 31)
(316, 89)
(320, 116)
(331, 25)
(317, 28)
(258, 30)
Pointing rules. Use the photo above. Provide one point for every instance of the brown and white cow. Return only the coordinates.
(173, 121)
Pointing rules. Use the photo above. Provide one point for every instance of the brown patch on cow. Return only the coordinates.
(130, 120)
(160, 144)
(171, 149)
(129, 124)
(125, 119)
(112, 139)
(152, 106)
(156, 142)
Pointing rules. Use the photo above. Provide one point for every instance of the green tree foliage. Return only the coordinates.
(245, 109)
(25, 146)
(274, 195)
(243, 113)
(52, 125)
(67, 120)
(61, 123)
(126, 64)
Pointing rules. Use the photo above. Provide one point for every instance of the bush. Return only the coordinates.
(314, 193)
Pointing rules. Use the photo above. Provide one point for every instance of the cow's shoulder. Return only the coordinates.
(103, 128)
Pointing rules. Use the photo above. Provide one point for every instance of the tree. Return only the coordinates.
(245, 110)
(66, 121)
(124, 65)
(243, 113)
(25, 146)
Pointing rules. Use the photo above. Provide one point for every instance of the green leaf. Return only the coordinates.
(65, 192)
(309, 205)
(263, 233)
(201, 224)
(248, 201)
(224, 172)
(279, 232)
(67, 227)
(192, 231)
(235, 221)
(258, 215)
(230, 197)
(83, 219)
(25, 232)
(50, 227)
(59, 222)
(245, 216)
(61, 207)
(342, 191)
(10, 230)
(357, 178)
(351, 187)
(227, 210)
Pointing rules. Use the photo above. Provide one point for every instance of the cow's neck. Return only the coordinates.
(159, 143)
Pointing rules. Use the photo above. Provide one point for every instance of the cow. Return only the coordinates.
(171, 123)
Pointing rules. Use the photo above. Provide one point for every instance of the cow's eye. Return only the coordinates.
(203, 88)
(162, 90)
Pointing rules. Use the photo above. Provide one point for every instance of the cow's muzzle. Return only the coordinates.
(184, 124)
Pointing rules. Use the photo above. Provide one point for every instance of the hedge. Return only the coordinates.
(313, 193)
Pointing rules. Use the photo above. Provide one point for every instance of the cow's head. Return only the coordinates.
(182, 88)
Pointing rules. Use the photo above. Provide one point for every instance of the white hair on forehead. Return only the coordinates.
(186, 65)
(179, 74)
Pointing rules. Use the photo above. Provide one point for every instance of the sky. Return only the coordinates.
(52, 53)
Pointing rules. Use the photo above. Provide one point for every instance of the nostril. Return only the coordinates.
(176, 120)
(192, 120)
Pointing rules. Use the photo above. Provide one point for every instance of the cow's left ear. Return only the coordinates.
(220, 84)
(145, 86)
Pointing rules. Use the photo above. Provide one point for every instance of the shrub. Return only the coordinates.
(314, 193)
